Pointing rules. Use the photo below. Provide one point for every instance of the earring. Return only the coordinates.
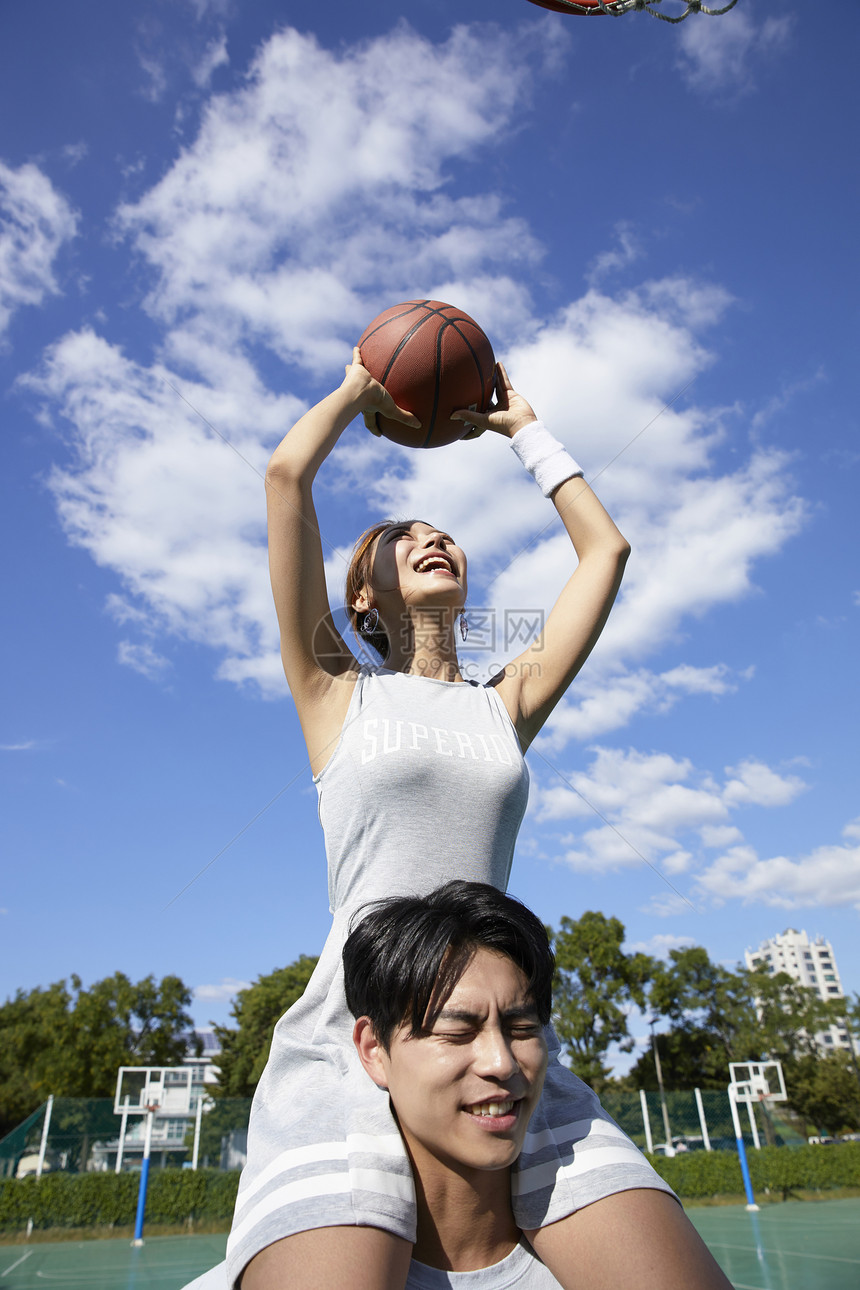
(370, 622)
(464, 624)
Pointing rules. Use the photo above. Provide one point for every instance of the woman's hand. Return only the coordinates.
(508, 415)
(372, 398)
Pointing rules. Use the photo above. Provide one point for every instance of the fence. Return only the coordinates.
(84, 1137)
(83, 1133)
(776, 1127)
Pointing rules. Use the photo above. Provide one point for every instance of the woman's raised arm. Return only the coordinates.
(533, 683)
(313, 652)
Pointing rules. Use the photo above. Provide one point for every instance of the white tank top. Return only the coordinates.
(427, 783)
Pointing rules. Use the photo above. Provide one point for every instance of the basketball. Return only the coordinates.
(433, 360)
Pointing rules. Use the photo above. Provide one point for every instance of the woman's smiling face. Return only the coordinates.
(421, 562)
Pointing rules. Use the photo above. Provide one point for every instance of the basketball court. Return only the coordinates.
(800, 1245)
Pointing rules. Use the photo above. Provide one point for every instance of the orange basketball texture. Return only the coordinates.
(433, 359)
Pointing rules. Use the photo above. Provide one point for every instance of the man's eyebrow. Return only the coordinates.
(527, 1009)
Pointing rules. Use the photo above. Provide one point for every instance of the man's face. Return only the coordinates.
(465, 1092)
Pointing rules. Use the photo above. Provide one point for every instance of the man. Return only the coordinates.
(451, 993)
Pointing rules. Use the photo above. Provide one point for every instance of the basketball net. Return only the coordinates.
(615, 8)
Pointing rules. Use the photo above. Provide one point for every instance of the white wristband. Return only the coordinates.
(547, 460)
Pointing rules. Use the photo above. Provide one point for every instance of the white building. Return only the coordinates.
(813, 965)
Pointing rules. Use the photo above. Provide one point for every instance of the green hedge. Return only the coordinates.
(696, 1174)
(104, 1200)
(175, 1195)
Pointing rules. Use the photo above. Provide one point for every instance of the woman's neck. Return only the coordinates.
(425, 646)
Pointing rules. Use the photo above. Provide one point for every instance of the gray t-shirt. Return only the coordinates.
(521, 1269)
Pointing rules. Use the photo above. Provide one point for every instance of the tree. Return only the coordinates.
(245, 1048)
(70, 1042)
(719, 1016)
(825, 1093)
(689, 1058)
(710, 1006)
(33, 1026)
(595, 981)
(788, 1015)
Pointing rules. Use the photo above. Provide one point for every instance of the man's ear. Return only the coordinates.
(371, 1053)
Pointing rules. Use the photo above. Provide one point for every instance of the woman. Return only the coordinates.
(421, 779)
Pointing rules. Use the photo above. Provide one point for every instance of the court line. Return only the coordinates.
(792, 1254)
(17, 1263)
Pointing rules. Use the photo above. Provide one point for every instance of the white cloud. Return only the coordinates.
(154, 69)
(665, 812)
(311, 197)
(777, 403)
(829, 875)
(667, 906)
(687, 301)
(754, 784)
(320, 186)
(142, 658)
(721, 54)
(153, 494)
(35, 221)
(660, 944)
(719, 836)
(227, 988)
(214, 56)
(74, 153)
(604, 701)
(26, 746)
(653, 807)
(852, 830)
(627, 250)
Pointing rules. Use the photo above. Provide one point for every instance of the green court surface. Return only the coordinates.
(161, 1263)
(801, 1245)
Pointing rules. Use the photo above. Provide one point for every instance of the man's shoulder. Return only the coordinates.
(521, 1270)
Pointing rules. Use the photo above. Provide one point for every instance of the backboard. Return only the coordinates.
(758, 1081)
(173, 1090)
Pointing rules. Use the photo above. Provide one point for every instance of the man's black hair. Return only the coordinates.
(404, 957)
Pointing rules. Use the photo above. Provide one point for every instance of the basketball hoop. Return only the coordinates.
(616, 8)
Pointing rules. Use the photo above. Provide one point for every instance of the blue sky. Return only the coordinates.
(201, 206)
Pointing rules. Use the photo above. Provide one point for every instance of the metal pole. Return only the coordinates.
(197, 1120)
(742, 1155)
(43, 1145)
(753, 1126)
(122, 1127)
(643, 1102)
(144, 1178)
(670, 1150)
(702, 1121)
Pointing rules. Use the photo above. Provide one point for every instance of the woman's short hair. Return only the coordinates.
(357, 578)
(404, 957)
